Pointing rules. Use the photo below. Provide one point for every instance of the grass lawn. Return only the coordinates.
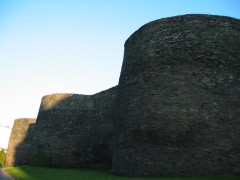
(27, 172)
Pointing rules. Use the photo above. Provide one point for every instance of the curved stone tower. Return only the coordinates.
(19, 146)
(178, 100)
(76, 130)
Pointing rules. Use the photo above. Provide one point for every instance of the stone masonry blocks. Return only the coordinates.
(76, 130)
(177, 105)
(20, 142)
(175, 112)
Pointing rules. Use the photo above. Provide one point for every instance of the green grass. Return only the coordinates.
(27, 172)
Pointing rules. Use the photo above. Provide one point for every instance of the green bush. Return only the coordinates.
(2, 158)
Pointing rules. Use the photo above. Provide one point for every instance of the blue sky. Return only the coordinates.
(70, 46)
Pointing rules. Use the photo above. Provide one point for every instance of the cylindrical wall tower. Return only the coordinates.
(20, 142)
(75, 130)
(61, 129)
(177, 105)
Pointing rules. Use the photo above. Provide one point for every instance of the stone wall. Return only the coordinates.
(19, 146)
(177, 105)
(76, 130)
(175, 112)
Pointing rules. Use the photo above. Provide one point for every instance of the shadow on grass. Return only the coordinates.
(27, 172)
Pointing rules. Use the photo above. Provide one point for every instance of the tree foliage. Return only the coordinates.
(2, 157)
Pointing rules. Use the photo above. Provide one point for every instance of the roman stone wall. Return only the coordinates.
(19, 146)
(175, 112)
(177, 105)
(75, 130)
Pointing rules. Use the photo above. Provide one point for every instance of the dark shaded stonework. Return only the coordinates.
(20, 142)
(177, 105)
(76, 130)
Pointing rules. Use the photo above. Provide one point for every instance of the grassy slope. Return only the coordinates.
(37, 173)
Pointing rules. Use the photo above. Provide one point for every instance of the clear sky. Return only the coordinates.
(73, 46)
